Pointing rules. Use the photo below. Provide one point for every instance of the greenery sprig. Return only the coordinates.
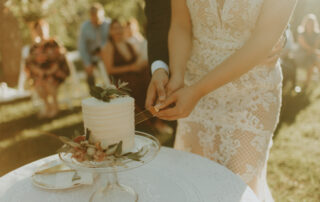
(112, 91)
(83, 149)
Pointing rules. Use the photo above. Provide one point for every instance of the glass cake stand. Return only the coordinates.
(114, 191)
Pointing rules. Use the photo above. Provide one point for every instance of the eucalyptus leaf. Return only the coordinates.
(115, 90)
(64, 149)
(112, 80)
(69, 141)
(126, 154)
(126, 89)
(134, 156)
(76, 134)
(113, 145)
(122, 84)
(88, 134)
(73, 144)
(119, 149)
(112, 149)
(65, 139)
(75, 177)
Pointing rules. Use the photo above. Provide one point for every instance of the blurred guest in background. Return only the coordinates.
(123, 62)
(93, 36)
(309, 41)
(134, 36)
(46, 67)
(288, 63)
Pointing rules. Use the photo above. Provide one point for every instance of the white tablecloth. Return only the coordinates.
(173, 176)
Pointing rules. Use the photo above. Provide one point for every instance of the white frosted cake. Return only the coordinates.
(110, 122)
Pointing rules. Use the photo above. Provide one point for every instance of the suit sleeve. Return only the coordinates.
(82, 46)
(158, 14)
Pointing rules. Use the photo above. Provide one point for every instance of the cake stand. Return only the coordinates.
(113, 191)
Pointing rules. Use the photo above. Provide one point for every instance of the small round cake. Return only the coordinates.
(110, 122)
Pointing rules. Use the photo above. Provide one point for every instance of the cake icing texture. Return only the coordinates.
(110, 122)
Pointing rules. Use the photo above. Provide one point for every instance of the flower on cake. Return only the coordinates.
(83, 149)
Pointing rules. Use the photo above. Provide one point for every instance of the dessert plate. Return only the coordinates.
(57, 176)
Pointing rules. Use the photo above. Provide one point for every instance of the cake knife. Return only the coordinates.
(142, 116)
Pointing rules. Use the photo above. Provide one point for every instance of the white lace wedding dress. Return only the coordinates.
(234, 124)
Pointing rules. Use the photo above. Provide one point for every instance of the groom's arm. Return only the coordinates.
(158, 14)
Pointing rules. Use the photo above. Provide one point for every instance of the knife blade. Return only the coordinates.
(142, 116)
(60, 168)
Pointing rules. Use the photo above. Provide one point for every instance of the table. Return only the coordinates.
(173, 176)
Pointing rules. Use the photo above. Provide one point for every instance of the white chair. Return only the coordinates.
(100, 74)
(72, 88)
(22, 73)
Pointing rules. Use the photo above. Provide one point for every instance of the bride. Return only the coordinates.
(229, 106)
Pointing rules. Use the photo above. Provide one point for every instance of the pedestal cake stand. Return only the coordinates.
(113, 190)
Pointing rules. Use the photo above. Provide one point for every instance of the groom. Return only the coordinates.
(158, 14)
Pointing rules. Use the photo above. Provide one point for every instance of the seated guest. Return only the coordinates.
(309, 41)
(123, 62)
(46, 67)
(132, 32)
(288, 63)
(93, 36)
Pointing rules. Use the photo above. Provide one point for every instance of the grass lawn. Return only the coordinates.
(294, 165)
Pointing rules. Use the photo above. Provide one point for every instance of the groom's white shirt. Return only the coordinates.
(159, 64)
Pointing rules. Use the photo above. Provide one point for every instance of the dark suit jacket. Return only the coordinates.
(158, 14)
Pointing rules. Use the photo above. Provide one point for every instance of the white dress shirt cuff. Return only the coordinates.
(158, 64)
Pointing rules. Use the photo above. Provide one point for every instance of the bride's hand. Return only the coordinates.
(175, 83)
(156, 91)
(180, 104)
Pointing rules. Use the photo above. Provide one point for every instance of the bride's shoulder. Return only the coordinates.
(276, 5)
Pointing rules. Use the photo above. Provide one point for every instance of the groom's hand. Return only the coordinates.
(156, 91)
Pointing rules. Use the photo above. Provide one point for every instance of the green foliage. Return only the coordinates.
(126, 9)
(29, 10)
(111, 92)
(66, 16)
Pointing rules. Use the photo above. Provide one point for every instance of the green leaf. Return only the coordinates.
(111, 149)
(106, 94)
(65, 139)
(106, 99)
(69, 141)
(64, 149)
(119, 149)
(76, 134)
(112, 80)
(134, 156)
(126, 89)
(126, 154)
(75, 177)
(88, 134)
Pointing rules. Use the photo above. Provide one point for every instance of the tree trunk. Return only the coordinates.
(10, 46)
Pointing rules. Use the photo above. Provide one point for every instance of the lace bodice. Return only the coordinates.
(218, 32)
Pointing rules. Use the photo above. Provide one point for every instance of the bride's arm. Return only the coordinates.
(273, 19)
(180, 35)
(271, 24)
